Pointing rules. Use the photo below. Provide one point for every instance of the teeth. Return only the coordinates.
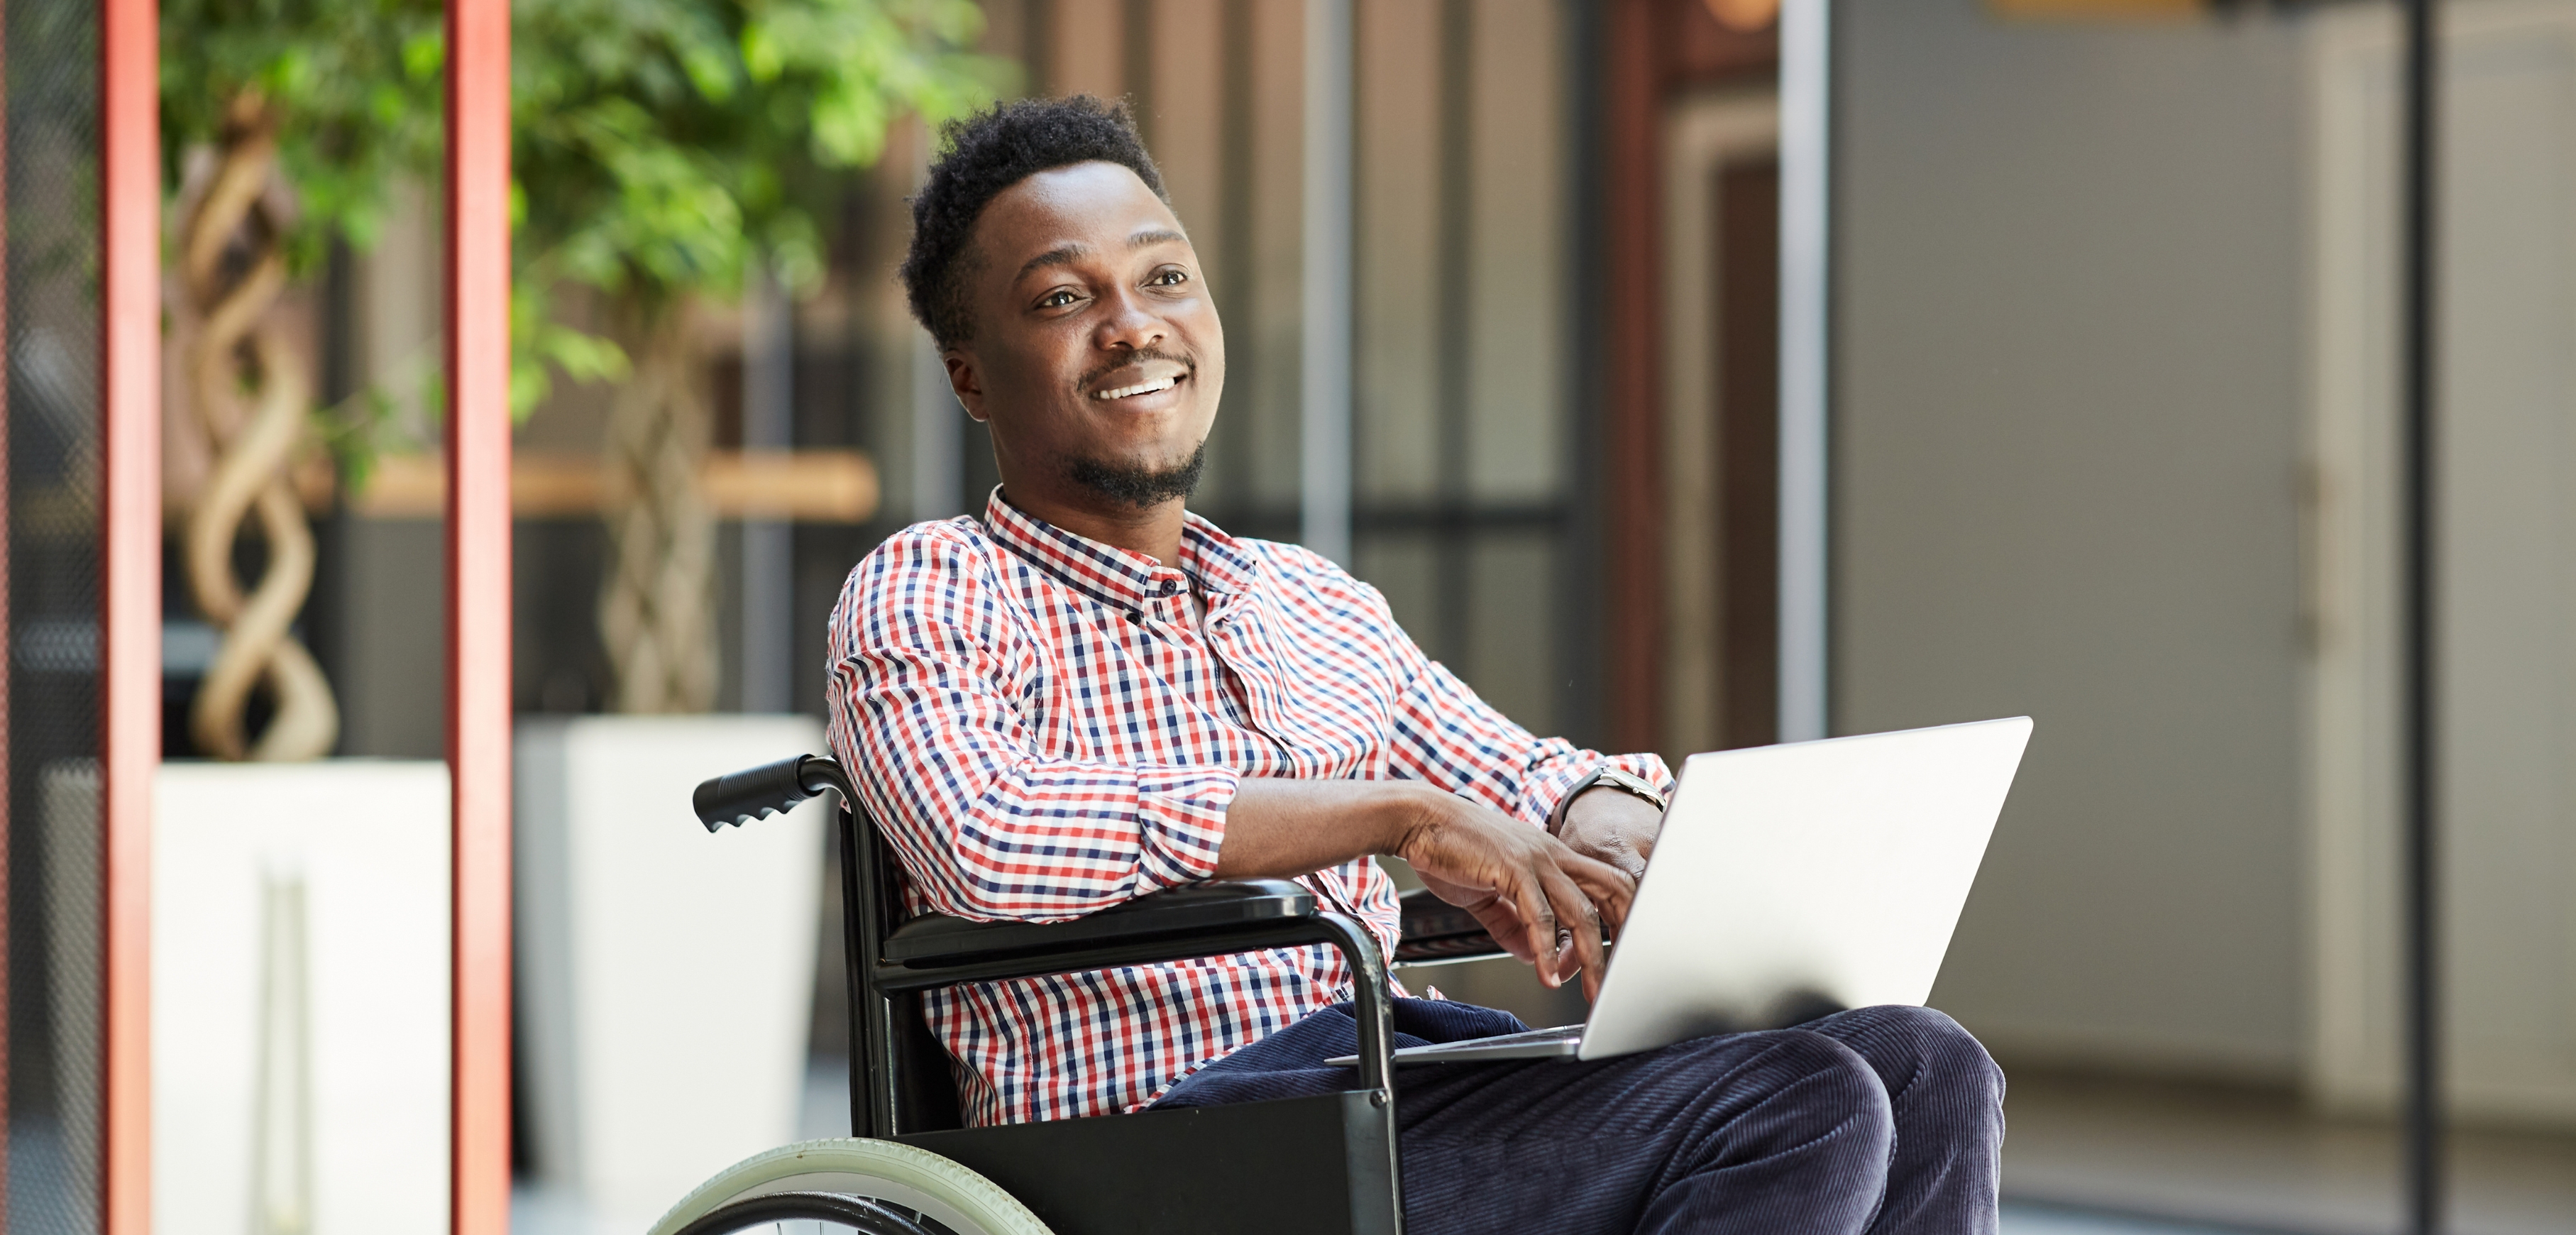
(1147, 388)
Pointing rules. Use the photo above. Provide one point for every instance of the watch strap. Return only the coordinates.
(1602, 778)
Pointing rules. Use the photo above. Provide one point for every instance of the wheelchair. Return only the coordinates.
(1322, 1165)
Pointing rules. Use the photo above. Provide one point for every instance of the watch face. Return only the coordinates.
(1633, 785)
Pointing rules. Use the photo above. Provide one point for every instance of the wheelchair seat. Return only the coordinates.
(1322, 1165)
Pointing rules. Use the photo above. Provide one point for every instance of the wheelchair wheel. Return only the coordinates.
(864, 1186)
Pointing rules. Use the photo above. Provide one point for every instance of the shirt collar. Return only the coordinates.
(1218, 563)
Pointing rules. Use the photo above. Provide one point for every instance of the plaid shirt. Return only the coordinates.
(1042, 730)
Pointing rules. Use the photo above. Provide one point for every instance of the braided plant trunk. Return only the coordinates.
(657, 608)
(251, 393)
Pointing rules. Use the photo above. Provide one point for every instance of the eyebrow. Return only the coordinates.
(1061, 255)
(1066, 254)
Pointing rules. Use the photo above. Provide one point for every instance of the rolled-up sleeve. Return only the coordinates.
(928, 664)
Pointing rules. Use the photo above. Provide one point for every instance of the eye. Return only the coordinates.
(1168, 276)
(1058, 298)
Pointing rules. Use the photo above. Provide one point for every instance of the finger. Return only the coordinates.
(1584, 922)
(1464, 895)
(1498, 916)
(1610, 902)
(1506, 928)
(1528, 894)
(1609, 888)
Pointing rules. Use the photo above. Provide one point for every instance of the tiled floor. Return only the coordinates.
(535, 1213)
(2026, 1219)
(2090, 1156)
(2258, 1161)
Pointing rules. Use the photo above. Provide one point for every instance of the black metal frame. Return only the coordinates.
(1321, 1164)
(2424, 1108)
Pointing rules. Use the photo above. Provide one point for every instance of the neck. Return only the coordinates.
(1154, 531)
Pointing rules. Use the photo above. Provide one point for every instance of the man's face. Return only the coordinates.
(1097, 357)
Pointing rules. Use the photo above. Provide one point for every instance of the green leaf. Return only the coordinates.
(424, 54)
(659, 147)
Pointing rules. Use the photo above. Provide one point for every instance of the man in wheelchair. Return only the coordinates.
(1087, 694)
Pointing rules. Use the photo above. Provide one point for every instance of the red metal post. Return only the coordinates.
(130, 586)
(478, 605)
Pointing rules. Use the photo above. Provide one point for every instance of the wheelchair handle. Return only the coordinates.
(770, 789)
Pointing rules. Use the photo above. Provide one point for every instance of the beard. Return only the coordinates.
(1140, 487)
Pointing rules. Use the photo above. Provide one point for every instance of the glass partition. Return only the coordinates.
(49, 1058)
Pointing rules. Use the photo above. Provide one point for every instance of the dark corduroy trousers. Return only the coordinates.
(1875, 1120)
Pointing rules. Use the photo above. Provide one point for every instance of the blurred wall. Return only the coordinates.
(2068, 412)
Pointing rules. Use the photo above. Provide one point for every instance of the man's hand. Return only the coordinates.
(1540, 900)
(1614, 826)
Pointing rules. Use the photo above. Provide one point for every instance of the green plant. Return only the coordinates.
(351, 87)
(662, 149)
(662, 146)
(658, 145)
(665, 150)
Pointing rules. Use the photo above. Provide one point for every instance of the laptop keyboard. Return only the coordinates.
(1514, 1039)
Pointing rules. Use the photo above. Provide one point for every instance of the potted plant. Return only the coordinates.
(661, 149)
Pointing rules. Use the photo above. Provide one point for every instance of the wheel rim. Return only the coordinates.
(924, 1192)
(865, 1215)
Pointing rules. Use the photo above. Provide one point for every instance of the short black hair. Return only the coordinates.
(987, 153)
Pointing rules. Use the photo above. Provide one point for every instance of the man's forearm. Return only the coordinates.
(1281, 829)
(1525, 886)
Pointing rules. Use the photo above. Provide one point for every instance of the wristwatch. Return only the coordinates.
(1606, 778)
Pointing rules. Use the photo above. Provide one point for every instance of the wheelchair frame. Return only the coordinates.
(1323, 1165)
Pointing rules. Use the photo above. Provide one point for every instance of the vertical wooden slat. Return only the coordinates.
(1453, 329)
(1136, 20)
(478, 605)
(130, 586)
(1747, 465)
(1632, 459)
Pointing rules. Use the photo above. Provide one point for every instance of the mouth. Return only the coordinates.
(1157, 386)
(1139, 377)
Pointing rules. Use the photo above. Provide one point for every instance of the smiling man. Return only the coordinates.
(1087, 694)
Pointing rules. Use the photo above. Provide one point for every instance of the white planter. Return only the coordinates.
(665, 976)
(300, 997)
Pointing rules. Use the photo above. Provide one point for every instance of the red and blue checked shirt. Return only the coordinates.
(1042, 730)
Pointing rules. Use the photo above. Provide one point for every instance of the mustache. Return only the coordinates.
(1189, 365)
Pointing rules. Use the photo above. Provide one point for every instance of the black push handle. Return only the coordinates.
(770, 789)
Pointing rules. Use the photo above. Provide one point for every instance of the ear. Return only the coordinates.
(965, 381)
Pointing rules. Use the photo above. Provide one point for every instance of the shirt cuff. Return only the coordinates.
(1180, 823)
(1650, 769)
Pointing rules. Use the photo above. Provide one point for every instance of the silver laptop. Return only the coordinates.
(1790, 881)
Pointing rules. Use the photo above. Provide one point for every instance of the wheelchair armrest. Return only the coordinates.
(1262, 917)
(1203, 919)
(1218, 907)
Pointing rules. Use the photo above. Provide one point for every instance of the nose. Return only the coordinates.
(1130, 325)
